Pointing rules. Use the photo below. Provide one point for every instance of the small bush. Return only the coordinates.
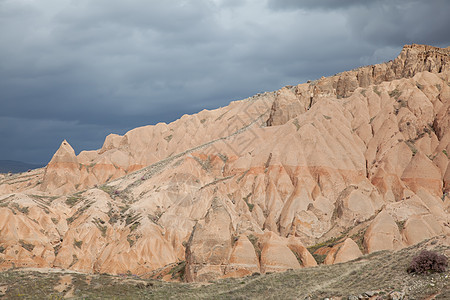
(428, 261)
(26, 245)
(72, 200)
(250, 205)
(395, 94)
(77, 243)
(320, 258)
(376, 91)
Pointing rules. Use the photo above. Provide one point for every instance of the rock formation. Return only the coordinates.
(343, 252)
(359, 161)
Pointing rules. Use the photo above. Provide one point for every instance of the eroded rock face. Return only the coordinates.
(276, 255)
(421, 227)
(62, 173)
(383, 234)
(247, 187)
(209, 247)
(346, 251)
(422, 173)
(243, 260)
(143, 146)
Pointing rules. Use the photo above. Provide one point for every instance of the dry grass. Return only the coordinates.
(381, 272)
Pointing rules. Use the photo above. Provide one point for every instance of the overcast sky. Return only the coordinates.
(81, 69)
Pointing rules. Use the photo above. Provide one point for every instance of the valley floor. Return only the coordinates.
(376, 275)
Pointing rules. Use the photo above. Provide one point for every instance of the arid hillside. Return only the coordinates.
(357, 279)
(321, 172)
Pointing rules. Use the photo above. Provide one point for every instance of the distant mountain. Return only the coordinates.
(16, 166)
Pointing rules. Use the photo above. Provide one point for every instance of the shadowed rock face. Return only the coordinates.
(247, 187)
(209, 247)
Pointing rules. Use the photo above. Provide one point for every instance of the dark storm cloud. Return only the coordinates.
(83, 69)
(384, 22)
(314, 4)
(399, 22)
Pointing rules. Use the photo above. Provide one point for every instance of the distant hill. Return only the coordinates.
(16, 166)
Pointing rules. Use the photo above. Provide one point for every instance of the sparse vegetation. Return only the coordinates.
(134, 226)
(431, 157)
(320, 258)
(107, 189)
(57, 248)
(358, 238)
(411, 146)
(250, 205)
(99, 223)
(297, 125)
(402, 103)
(395, 93)
(428, 261)
(131, 218)
(242, 176)
(169, 138)
(223, 157)
(77, 243)
(155, 218)
(178, 271)
(74, 260)
(22, 209)
(26, 246)
(299, 259)
(381, 272)
(221, 116)
(254, 240)
(376, 91)
(206, 164)
(132, 238)
(73, 200)
(79, 212)
(113, 216)
(400, 225)
(217, 180)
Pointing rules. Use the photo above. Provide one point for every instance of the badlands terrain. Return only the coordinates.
(325, 172)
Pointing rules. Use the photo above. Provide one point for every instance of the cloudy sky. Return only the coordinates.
(81, 69)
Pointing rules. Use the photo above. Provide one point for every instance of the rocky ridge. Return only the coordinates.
(359, 159)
